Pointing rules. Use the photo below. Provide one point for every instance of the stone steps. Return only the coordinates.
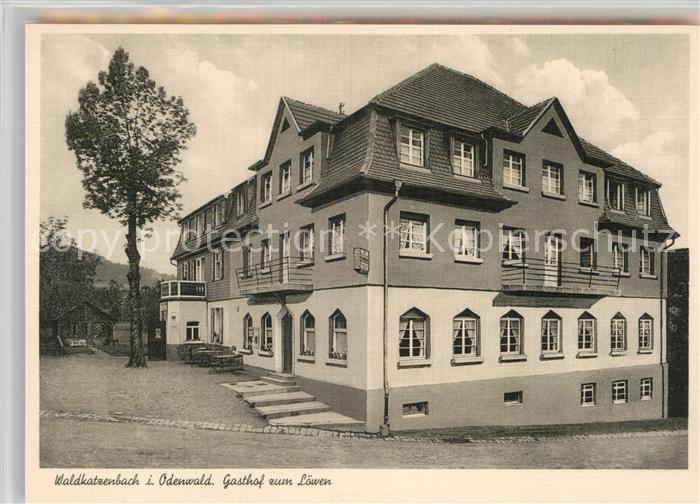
(321, 419)
(279, 380)
(282, 398)
(258, 388)
(286, 410)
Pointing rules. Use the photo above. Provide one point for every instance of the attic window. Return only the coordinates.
(412, 146)
(552, 128)
(285, 125)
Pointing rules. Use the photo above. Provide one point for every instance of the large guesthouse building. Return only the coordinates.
(443, 256)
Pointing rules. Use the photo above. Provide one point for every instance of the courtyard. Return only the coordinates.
(96, 413)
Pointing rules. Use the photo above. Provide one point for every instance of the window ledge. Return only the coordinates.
(414, 363)
(305, 185)
(409, 166)
(245, 275)
(337, 363)
(245, 351)
(265, 353)
(592, 204)
(465, 361)
(648, 277)
(645, 352)
(307, 358)
(556, 196)
(514, 262)
(468, 260)
(616, 211)
(622, 274)
(642, 216)
(265, 270)
(516, 187)
(618, 353)
(284, 195)
(512, 358)
(646, 399)
(264, 204)
(552, 356)
(306, 263)
(586, 355)
(588, 405)
(620, 401)
(415, 255)
(588, 271)
(468, 178)
(335, 257)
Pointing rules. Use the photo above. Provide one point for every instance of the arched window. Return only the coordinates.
(646, 333)
(266, 325)
(414, 326)
(248, 332)
(587, 339)
(551, 333)
(338, 336)
(618, 334)
(308, 335)
(465, 334)
(512, 333)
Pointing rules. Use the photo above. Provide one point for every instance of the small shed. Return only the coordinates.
(82, 325)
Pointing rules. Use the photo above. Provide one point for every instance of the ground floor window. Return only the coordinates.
(308, 335)
(551, 333)
(338, 343)
(646, 389)
(266, 325)
(413, 327)
(588, 394)
(217, 325)
(586, 333)
(646, 332)
(465, 335)
(619, 391)
(192, 331)
(415, 409)
(248, 332)
(618, 338)
(511, 333)
(513, 398)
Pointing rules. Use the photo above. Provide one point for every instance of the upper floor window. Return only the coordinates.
(587, 333)
(467, 240)
(616, 194)
(306, 243)
(646, 333)
(200, 221)
(219, 213)
(308, 335)
(642, 201)
(265, 254)
(513, 168)
(266, 189)
(646, 261)
(413, 233)
(337, 235)
(338, 344)
(413, 335)
(588, 253)
(465, 334)
(306, 173)
(551, 178)
(551, 333)
(218, 264)
(620, 257)
(618, 334)
(247, 261)
(286, 178)
(511, 333)
(267, 335)
(412, 146)
(586, 187)
(241, 202)
(512, 244)
(463, 158)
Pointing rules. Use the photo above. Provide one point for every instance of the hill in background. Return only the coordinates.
(109, 270)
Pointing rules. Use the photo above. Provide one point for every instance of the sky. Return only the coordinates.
(626, 93)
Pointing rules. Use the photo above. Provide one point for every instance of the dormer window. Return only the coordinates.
(642, 199)
(307, 166)
(219, 213)
(616, 195)
(463, 158)
(412, 146)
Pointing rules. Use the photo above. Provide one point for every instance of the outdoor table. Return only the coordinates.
(231, 362)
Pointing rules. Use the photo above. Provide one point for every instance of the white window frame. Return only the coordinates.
(588, 394)
(267, 187)
(586, 335)
(513, 169)
(646, 333)
(646, 389)
(551, 178)
(240, 202)
(285, 178)
(410, 153)
(192, 331)
(512, 340)
(218, 264)
(513, 244)
(461, 336)
(306, 243)
(467, 240)
(337, 236)
(551, 335)
(413, 234)
(642, 205)
(620, 257)
(620, 393)
(618, 335)
(307, 332)
(336, 334)
(265, 255)
(463, 158)
(266, 345)
(307, 165)
(646, 264)
(586, 187)
(416, 330)
(617, 200)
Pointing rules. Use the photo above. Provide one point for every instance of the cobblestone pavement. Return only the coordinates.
(308, 431)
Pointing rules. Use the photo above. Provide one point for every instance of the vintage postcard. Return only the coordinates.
(292, 263)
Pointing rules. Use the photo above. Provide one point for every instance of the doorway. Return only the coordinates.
(287, 344)
(552, 260)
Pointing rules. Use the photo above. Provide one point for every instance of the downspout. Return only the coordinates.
(664, 332)
(384, 428)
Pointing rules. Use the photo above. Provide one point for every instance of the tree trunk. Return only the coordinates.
(136, 355)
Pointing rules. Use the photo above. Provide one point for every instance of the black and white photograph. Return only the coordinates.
(360, 249)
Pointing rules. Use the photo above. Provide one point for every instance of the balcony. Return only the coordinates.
(285, 275)
(183, 289)
(532, 275)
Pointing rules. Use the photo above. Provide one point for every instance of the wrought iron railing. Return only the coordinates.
(183, 288)
(282, 273)
(537, 274)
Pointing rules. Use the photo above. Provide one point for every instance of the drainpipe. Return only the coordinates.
(384, 429)
(662, 274)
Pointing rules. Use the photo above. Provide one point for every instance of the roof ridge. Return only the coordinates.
(289, 98)
(405, 81)
(472, 77)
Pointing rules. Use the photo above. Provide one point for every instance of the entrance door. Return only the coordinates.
(552, 260)
(284, 253)
(287, 343)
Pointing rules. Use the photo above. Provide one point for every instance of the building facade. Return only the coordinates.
(443, 256)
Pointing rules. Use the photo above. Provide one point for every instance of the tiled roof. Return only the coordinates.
(521, 122)
(305, 115)
(617, 166)
(449, 97)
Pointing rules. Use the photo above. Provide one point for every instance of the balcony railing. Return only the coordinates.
(183, 289)
(281, 275)
(537, 275)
